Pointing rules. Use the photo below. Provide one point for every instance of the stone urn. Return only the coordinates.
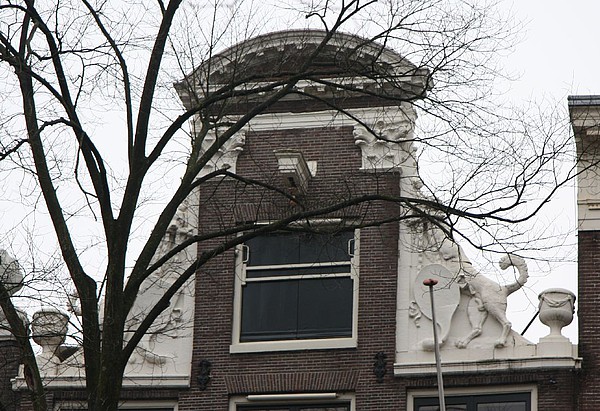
(557, 306)
(49, 329)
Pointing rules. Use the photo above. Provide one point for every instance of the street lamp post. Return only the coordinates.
(438, 365)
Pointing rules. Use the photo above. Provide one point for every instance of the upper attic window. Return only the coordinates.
(294, 289)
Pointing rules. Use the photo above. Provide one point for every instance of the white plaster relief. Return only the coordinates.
(163, 356)
(414, 312)
(386, 143)
(166, 347)
(476, 320)
(226, 156)
(488, 298)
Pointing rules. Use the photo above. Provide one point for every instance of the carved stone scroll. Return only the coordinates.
(387, 144)
(227, 155)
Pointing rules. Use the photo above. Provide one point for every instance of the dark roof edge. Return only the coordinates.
(584, 100)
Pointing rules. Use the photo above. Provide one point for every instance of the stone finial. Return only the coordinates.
(557, 306)
(11, 274)
(49, 329)
(11, 277)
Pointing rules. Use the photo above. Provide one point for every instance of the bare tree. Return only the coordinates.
(69, 63)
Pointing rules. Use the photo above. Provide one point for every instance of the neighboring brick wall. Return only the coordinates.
(588, 306)
(9, 366)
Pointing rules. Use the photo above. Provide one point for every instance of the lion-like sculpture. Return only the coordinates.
(487, 296)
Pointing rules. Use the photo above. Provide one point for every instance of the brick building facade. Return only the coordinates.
(585, 118)
(326, 312)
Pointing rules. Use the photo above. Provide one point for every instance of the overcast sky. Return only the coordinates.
(557, 56)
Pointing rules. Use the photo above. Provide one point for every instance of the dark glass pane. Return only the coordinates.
(294, 248)
(482, 402)
(325, 308)
(274, 249)
(331, 408)
(269, 310)
(498, 406)
(335, 269)
(296, 309)
(318, 248)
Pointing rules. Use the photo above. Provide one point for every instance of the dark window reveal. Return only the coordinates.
(298, 286)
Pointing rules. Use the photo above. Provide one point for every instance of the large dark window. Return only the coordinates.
(298, 286)
(488, 402)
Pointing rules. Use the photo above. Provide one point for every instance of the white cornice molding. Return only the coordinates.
(326, 118)
(139, 381)
(462, 367)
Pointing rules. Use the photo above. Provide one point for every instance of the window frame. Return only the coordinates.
(125, 405)
(291, 400)
(237, 346)
(475, 391)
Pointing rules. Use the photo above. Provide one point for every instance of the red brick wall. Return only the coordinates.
(338, 177)
(588, 304)
(9, 366)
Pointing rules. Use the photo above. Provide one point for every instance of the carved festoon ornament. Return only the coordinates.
(388, 144)
(227, 155)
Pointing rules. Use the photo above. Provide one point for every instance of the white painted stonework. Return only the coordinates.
(163, 357)
(166, 350)
(585, 120)
(226, 156)
(11, 276)
(470, 309)
(386, 144)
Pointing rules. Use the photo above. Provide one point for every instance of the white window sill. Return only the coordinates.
(294, 345)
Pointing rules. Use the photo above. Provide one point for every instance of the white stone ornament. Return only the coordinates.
(387, 144)
(557, 307)
(11, 277)
(490, 298)
(49, 329)
(226, 156)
